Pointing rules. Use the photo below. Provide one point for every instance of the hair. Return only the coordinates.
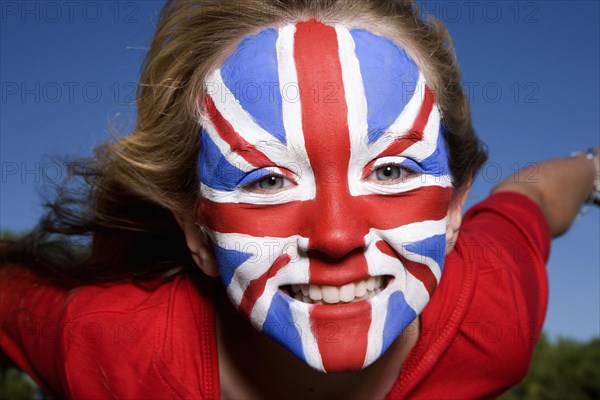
(132, 187)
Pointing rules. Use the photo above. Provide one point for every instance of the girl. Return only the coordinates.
(314, 157)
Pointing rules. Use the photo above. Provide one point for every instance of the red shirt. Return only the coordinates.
(121, 340)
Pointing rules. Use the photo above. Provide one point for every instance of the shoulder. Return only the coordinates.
(485, 317)
(506, 242)
(98, 339)
(507, 239)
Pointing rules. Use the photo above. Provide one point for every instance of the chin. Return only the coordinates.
(335, 329)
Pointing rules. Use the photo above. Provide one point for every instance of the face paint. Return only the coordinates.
(325, 189)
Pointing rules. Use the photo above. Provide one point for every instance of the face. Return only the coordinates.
(325, 189)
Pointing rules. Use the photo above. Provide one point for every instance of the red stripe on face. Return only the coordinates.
(237, 143)
(337, 326)
(360, 213)
(416, 132)
(420, 271)
(257, 287)
(337, 225)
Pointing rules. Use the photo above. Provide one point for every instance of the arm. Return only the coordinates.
(30, 326)
(560, 187)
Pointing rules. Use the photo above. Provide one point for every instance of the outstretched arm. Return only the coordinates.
(560, 187)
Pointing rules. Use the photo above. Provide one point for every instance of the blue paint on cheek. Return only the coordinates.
(433, 247)
(214, 170)
(399, 316)
(251, 73)
(229, 261)
(389, 77)
(281, 327)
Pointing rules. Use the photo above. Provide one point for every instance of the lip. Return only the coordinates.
(343, 312)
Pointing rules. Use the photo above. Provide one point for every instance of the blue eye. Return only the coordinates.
(271, 182)
(388, 172)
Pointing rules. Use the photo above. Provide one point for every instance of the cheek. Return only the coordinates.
(429, 202)
(416, 243)
(285, 220)
(257, 235)
(277, 220)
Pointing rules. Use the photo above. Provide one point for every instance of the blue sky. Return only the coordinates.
(68, 73)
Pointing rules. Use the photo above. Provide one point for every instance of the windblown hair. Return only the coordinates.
(133, 186)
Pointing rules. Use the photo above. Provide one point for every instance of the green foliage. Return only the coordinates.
(15, 385)
(10, 235)
(565, 370)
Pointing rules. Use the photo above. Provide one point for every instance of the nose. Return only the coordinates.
(336, 226)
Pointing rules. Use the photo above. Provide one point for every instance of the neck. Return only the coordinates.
(253, 366)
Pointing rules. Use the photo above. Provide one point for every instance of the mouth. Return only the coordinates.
(330, 295)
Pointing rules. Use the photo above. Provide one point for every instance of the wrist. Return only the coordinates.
(592, 155)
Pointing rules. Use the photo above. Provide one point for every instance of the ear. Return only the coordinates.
(197, 242)
(455, 217)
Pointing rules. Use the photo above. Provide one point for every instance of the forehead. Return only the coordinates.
(252, 73)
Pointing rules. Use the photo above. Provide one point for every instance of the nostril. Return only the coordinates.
(334, 257)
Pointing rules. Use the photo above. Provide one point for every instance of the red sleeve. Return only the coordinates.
(117, 340)
(507, 240)
(515, 237)
(31, 327)
(481, 325)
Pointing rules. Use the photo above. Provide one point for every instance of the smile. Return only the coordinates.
(352, 292)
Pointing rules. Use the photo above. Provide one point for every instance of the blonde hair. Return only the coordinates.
(135, 183)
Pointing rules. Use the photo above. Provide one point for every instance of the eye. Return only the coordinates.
(390, 173)
(268, 183)
(271, 182)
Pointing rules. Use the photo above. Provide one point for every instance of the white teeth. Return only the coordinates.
(361, 289)
(331, 294)
(315, 292)
(365, 296)
(347, 293)
(370, 284)
(304, 289)
(353, 291)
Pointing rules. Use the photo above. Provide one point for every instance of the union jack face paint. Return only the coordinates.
(325, 189)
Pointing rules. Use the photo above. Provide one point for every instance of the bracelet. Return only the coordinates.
(592, 155)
